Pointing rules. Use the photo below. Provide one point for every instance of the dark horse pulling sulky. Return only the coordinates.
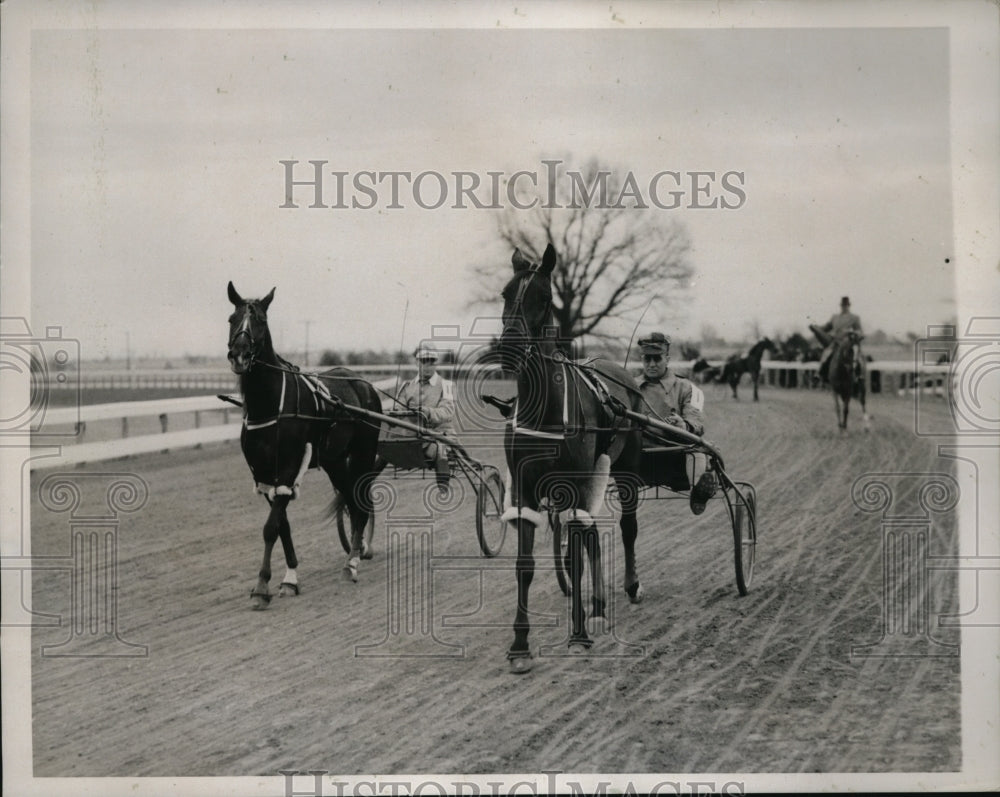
(847, 375)
(562, 443)
(291, 422)
(736, 366)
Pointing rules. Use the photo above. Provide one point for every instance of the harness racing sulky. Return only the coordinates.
(294, 421)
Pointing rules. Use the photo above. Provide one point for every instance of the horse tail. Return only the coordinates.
(335, 505)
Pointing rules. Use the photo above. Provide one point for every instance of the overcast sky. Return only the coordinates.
(155, 174)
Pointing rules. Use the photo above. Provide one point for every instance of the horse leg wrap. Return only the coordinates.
(271, 491)
(581, 515)
(306, 459)
(593, 496)
(599, 483)
(515, 513)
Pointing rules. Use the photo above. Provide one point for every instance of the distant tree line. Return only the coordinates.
(795, 347)
(332, 357)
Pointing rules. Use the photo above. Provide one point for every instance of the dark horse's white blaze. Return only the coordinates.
(562, 443)
(292, 422)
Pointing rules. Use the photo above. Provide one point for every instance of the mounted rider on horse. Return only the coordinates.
(834, 333)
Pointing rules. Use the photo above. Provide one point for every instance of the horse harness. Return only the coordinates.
(303, 397)
(596, 385)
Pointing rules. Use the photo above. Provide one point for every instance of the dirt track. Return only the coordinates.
(696, 679)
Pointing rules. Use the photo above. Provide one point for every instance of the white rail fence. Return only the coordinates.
(224, 424)
(222, 379)
(883, 376)
(215, 421)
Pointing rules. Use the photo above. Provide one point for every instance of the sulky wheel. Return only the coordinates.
(490, 528)
(745, 535)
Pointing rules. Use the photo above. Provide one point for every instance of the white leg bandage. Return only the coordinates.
(568, 515)
(271, 491)
(599, 484)
(593, 498)
(267, 490)
(516, 513)
(302, 470)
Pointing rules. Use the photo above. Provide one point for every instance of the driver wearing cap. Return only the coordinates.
(680, 403)
(432, 398)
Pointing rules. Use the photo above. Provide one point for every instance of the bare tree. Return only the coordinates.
(615, 256)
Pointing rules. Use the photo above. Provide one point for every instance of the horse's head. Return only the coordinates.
(769, 345)
(846, 352)
(248, 333)
(527, 309)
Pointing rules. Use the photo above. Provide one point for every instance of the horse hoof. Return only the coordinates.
(351, 570)
(287, 590)
(367, 553)
(635, 593)
(259, 602)
(578, 648)
(521, 665)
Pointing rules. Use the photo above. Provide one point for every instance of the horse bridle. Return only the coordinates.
(245, 329)
(530, 348)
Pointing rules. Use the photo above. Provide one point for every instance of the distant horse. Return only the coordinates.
(562, 443)
(847, 373)
(847, 378)
(736, 366)
(703, 372)
(290, 424)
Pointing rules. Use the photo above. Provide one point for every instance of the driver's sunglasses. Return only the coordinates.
(652, 358)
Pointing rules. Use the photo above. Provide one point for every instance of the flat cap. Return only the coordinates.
(655, 343)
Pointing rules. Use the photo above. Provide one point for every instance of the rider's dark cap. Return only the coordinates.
(655, 343)
(845, 300)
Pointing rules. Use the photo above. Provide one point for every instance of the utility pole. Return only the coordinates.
(307, 323)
